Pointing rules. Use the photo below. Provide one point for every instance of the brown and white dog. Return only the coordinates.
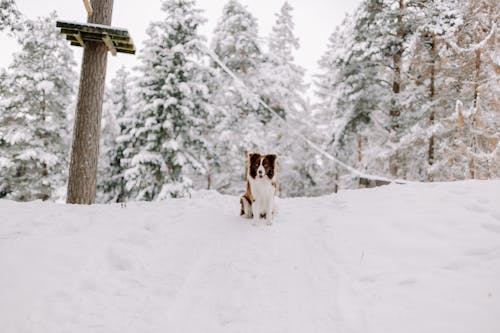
(262, 185)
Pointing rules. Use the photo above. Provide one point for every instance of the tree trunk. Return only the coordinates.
(336, 181)
(395, 108)
(360, 149)
(432, 93)
(474, 142)
(477, 76)
(395, 111)
(85, 148)
(360, 155)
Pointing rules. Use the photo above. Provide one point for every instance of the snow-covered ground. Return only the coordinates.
(400, 258)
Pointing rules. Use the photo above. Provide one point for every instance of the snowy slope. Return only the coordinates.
(407, 258)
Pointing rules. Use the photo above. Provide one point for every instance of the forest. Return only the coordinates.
(407, 89)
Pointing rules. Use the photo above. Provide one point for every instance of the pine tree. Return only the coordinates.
(476, 134)
(354, 93)
(429, 100)
(284, 92)
(115, 137)
(283, 79)
(173, 96)
(391, 83)
(38, 88)
(236, 43)
(10, 16)
(235, 39)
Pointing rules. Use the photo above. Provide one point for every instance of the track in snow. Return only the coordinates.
(409, 258)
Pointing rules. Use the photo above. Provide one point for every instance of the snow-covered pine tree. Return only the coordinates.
(329, 120)
(432, 97)
(475, 56)
(439, 73)
(115, 136)
(9, 16)
(405, 66)
(354, 93)
(236, 43)
(235, 39)
(283, 79)
(167, 134)
(38, 87)
(284, 92)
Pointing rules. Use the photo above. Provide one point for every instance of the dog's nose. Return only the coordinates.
(261, 172)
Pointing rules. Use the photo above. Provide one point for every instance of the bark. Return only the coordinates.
(472, 162)
(336, 184)
(360, 148)
(395, 110)
(477, 76)
(360, 155)
(85, 148)
(432, 93)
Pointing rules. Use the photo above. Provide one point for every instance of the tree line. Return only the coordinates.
(406, 89)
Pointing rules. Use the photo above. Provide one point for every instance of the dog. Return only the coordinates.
(262, 186)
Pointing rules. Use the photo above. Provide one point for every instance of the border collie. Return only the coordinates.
(262, 185)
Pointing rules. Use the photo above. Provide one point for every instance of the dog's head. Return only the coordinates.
(261, 166)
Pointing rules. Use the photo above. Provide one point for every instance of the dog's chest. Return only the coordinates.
(262, 189)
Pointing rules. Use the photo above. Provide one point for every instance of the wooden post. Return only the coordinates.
(79, 39)
(85, 148)
(88, 7)
(109, 44)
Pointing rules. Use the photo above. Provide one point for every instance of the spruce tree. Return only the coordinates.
(476, 136)
(235, 39)
(38, 88)
(115, 136)
(284, 92)
(283, 79)
(167, 135)
(10, 17)
(236, 43)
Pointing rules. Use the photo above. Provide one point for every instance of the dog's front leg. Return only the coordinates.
(270, 211)
(256, 209)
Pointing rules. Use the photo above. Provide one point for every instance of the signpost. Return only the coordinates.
(96, 37)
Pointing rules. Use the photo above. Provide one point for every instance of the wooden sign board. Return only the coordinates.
(116, 39)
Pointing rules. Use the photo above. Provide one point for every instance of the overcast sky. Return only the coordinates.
(314, 22)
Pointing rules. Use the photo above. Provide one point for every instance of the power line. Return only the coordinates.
(292, 129)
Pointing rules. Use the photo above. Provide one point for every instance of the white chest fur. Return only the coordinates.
(263, 193)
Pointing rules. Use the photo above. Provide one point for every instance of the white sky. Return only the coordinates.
(314, 22)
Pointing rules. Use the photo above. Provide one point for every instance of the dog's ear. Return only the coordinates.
(272, 158)
(252, 157)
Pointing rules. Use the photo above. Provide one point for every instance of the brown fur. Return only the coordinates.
(246, 196)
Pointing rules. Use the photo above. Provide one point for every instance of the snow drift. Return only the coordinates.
(400, 258)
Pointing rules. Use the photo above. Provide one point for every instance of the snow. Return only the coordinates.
(46, 86)
(399, 258)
